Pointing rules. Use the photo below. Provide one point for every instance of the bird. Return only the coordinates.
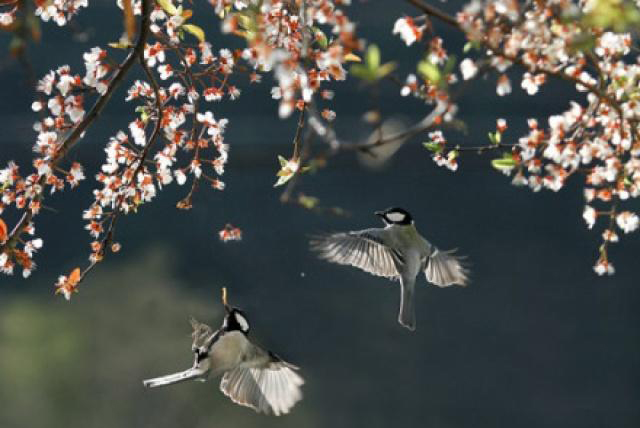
(251, 376)
(397, 252)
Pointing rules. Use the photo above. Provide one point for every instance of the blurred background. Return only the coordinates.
(536, 340)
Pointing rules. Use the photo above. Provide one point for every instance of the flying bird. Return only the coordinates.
(398, 252)
(251, 376)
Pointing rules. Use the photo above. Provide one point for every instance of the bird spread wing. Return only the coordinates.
(363, 249)
(444, 268)
(269, 386)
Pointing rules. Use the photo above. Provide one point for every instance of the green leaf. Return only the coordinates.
(124, 44)
(373, 57)
(320, 37)
(351, 57)
(282, 179)
(372, 70)
(283, 161)
(168, 7)
(362, 72)
(504, 163)
(196, 31)
(385, 69)
(449, 65)
(471, 45)
(430, 72)
(495, 137)
(309, 202)
(432, 146)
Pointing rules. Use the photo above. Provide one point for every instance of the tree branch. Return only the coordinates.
(72, 138)
(435, 12)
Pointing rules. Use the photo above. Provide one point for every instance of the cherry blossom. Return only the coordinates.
(230, 233)
(408, 30)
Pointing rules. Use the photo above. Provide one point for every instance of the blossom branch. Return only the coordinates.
(74, 136)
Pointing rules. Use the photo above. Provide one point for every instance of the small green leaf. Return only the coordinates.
(449, 65)
(385, 69)
(430, 72)
(492, 138)
(283, 161)
(282, 179)
(432, 146)
(124, 44)
(495, 137)
(373, 57)
(453, 154)
(320, 37)
(362, 72)
(504, 163)
(471, 45)
(196, 31)
(351, 57)
(309, 202)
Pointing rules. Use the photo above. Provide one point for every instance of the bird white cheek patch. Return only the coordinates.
(395, 217)
(244, 325)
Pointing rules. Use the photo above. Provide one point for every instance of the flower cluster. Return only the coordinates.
(230, 233)
(67, 285)
(173, 138)
(8, 16)
(597, 138)
(407, 29)
(61, 106)
(59, 11)
(288, 39)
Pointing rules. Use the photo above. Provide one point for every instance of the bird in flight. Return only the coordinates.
(397, 252)
(251, 376)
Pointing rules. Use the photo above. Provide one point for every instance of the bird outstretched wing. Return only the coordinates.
(364, 249)
(270, 387)
(444, 268)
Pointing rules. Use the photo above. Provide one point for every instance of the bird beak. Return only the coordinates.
(379, 213)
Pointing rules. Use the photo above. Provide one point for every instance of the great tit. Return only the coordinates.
(251, 376)
(397, 252)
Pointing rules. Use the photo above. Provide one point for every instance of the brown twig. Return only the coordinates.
(435, 12)
(296, 139)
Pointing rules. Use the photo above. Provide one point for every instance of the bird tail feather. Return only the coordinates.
(407, 316)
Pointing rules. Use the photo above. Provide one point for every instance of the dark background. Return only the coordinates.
(536, 340)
